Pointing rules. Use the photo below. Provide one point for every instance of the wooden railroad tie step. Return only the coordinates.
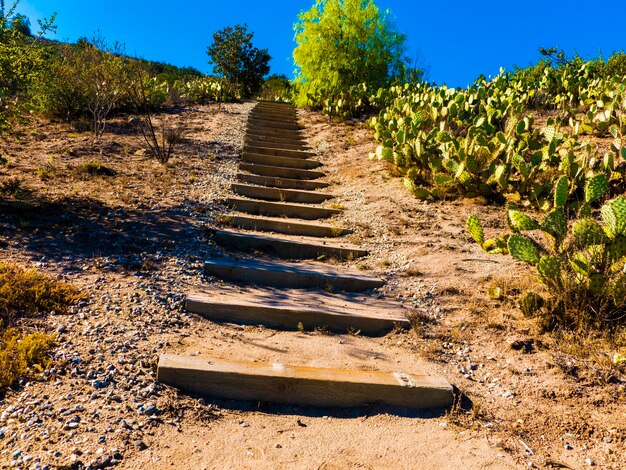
(285, 162)
(281, 172)
(273, 132)
(296, 275)
(255, 142)
(285, 226)
(283, 183)
(279, 125)
(291, 316)
(275, 194)
(286, 248)
(280, 209)
(258, 135)
(301, 385)
(278, 152)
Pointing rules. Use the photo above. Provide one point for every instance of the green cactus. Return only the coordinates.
(549, 271)
(595, 188)
(519, 221)
(561, 192)
(523, 249)
(475, 228)
(588, 232)
(555, 224)
(614, 216)
(531, 303)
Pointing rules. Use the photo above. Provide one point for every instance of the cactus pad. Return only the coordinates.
(561, 191)
(614, 216)
(596, 187)
(555, 223)
(519, 221)
(597, 281)
(475, 229)
(588, 232)
(549, 270)
(522, 248)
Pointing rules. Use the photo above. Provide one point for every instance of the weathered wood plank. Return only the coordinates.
(281, 172)
(299, 276)
(283, 183)
(288, 227)
(285, 162)
(286, 248)
(283, 195)
(291, 317)
(301, 385)
(279, 209)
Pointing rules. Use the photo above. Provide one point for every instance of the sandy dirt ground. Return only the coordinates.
(134, 238)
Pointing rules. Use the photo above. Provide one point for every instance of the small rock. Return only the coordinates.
(140, 445)
(589, 462)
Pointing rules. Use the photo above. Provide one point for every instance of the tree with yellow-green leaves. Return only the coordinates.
(342, 43)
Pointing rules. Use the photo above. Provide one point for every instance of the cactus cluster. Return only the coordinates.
(482, 141)
(585, 260)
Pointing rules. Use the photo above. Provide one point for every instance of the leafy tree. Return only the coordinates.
(238, 61)
(342, 43)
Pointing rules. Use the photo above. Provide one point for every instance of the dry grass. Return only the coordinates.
(28, 292)
(20, 353)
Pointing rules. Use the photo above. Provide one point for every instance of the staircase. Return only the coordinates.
(281, 208)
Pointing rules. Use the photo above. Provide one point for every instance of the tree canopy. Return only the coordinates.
(341, 43)
(238, 61)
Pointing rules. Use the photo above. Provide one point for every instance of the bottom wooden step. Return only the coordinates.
(300, 385)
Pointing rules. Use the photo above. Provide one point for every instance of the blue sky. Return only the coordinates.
(455, 40)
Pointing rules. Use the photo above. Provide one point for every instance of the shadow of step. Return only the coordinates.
(286, 248)
(300, 385)
(296, 275)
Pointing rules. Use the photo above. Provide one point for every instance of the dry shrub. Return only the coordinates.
(28, 292)
(20, 352)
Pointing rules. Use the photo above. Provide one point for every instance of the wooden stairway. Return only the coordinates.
(279, 201)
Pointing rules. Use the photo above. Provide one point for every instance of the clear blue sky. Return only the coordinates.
(455, 40)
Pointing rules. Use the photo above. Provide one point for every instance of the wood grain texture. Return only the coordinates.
(281, 172)
(288, 227)
(280, 209)
(301, 385)
(288, 317)
(281, 183)
(285, 162)
(283, 195)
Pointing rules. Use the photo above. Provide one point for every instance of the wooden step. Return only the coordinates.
(281, 117)
(301, 385)
(285, 183)
(268, 123)
(286, 316)
(255, 142)
(276, 139)
(270, 131)
(285, 248)
(280, 209)
(278, 152)
(275, 194)
(285, 162)
(287, 227)
(296, 275)
(281, 172)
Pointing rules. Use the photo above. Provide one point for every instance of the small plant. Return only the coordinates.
(28, 292)
(93, 169)
(20, 352)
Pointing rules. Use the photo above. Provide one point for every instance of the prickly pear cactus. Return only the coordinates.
(522, 248)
